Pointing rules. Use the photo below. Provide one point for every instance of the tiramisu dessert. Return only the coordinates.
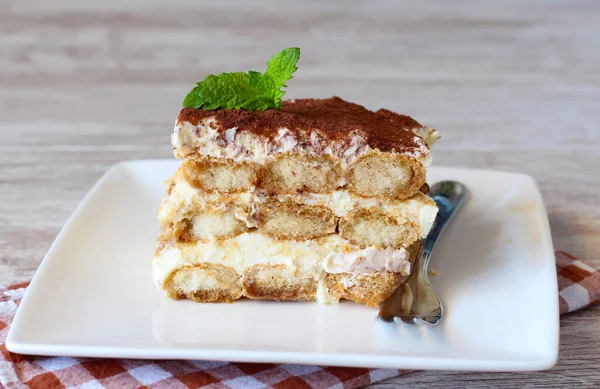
(309, 199)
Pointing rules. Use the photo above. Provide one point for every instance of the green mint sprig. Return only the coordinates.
(252, 91)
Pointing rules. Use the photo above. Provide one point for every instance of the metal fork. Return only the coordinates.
(415, 301)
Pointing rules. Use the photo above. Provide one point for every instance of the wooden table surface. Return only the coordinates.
(510, 85)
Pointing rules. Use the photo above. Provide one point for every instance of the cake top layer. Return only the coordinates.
(333, 120)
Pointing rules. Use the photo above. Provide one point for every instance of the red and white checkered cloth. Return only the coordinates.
(579, 286)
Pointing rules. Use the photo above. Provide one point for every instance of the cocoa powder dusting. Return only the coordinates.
(334, 119)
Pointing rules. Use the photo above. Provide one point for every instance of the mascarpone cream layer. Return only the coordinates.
(204, 139)
(307, 259)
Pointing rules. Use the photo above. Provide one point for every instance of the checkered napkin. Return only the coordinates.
(579, 286)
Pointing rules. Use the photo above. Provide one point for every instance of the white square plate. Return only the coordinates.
(93, 294)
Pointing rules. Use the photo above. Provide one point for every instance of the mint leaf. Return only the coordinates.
(226, 89)
(263, 86)
(280, 68)
(252, 91)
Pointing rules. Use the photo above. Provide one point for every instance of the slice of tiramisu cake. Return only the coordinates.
(296, 200)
